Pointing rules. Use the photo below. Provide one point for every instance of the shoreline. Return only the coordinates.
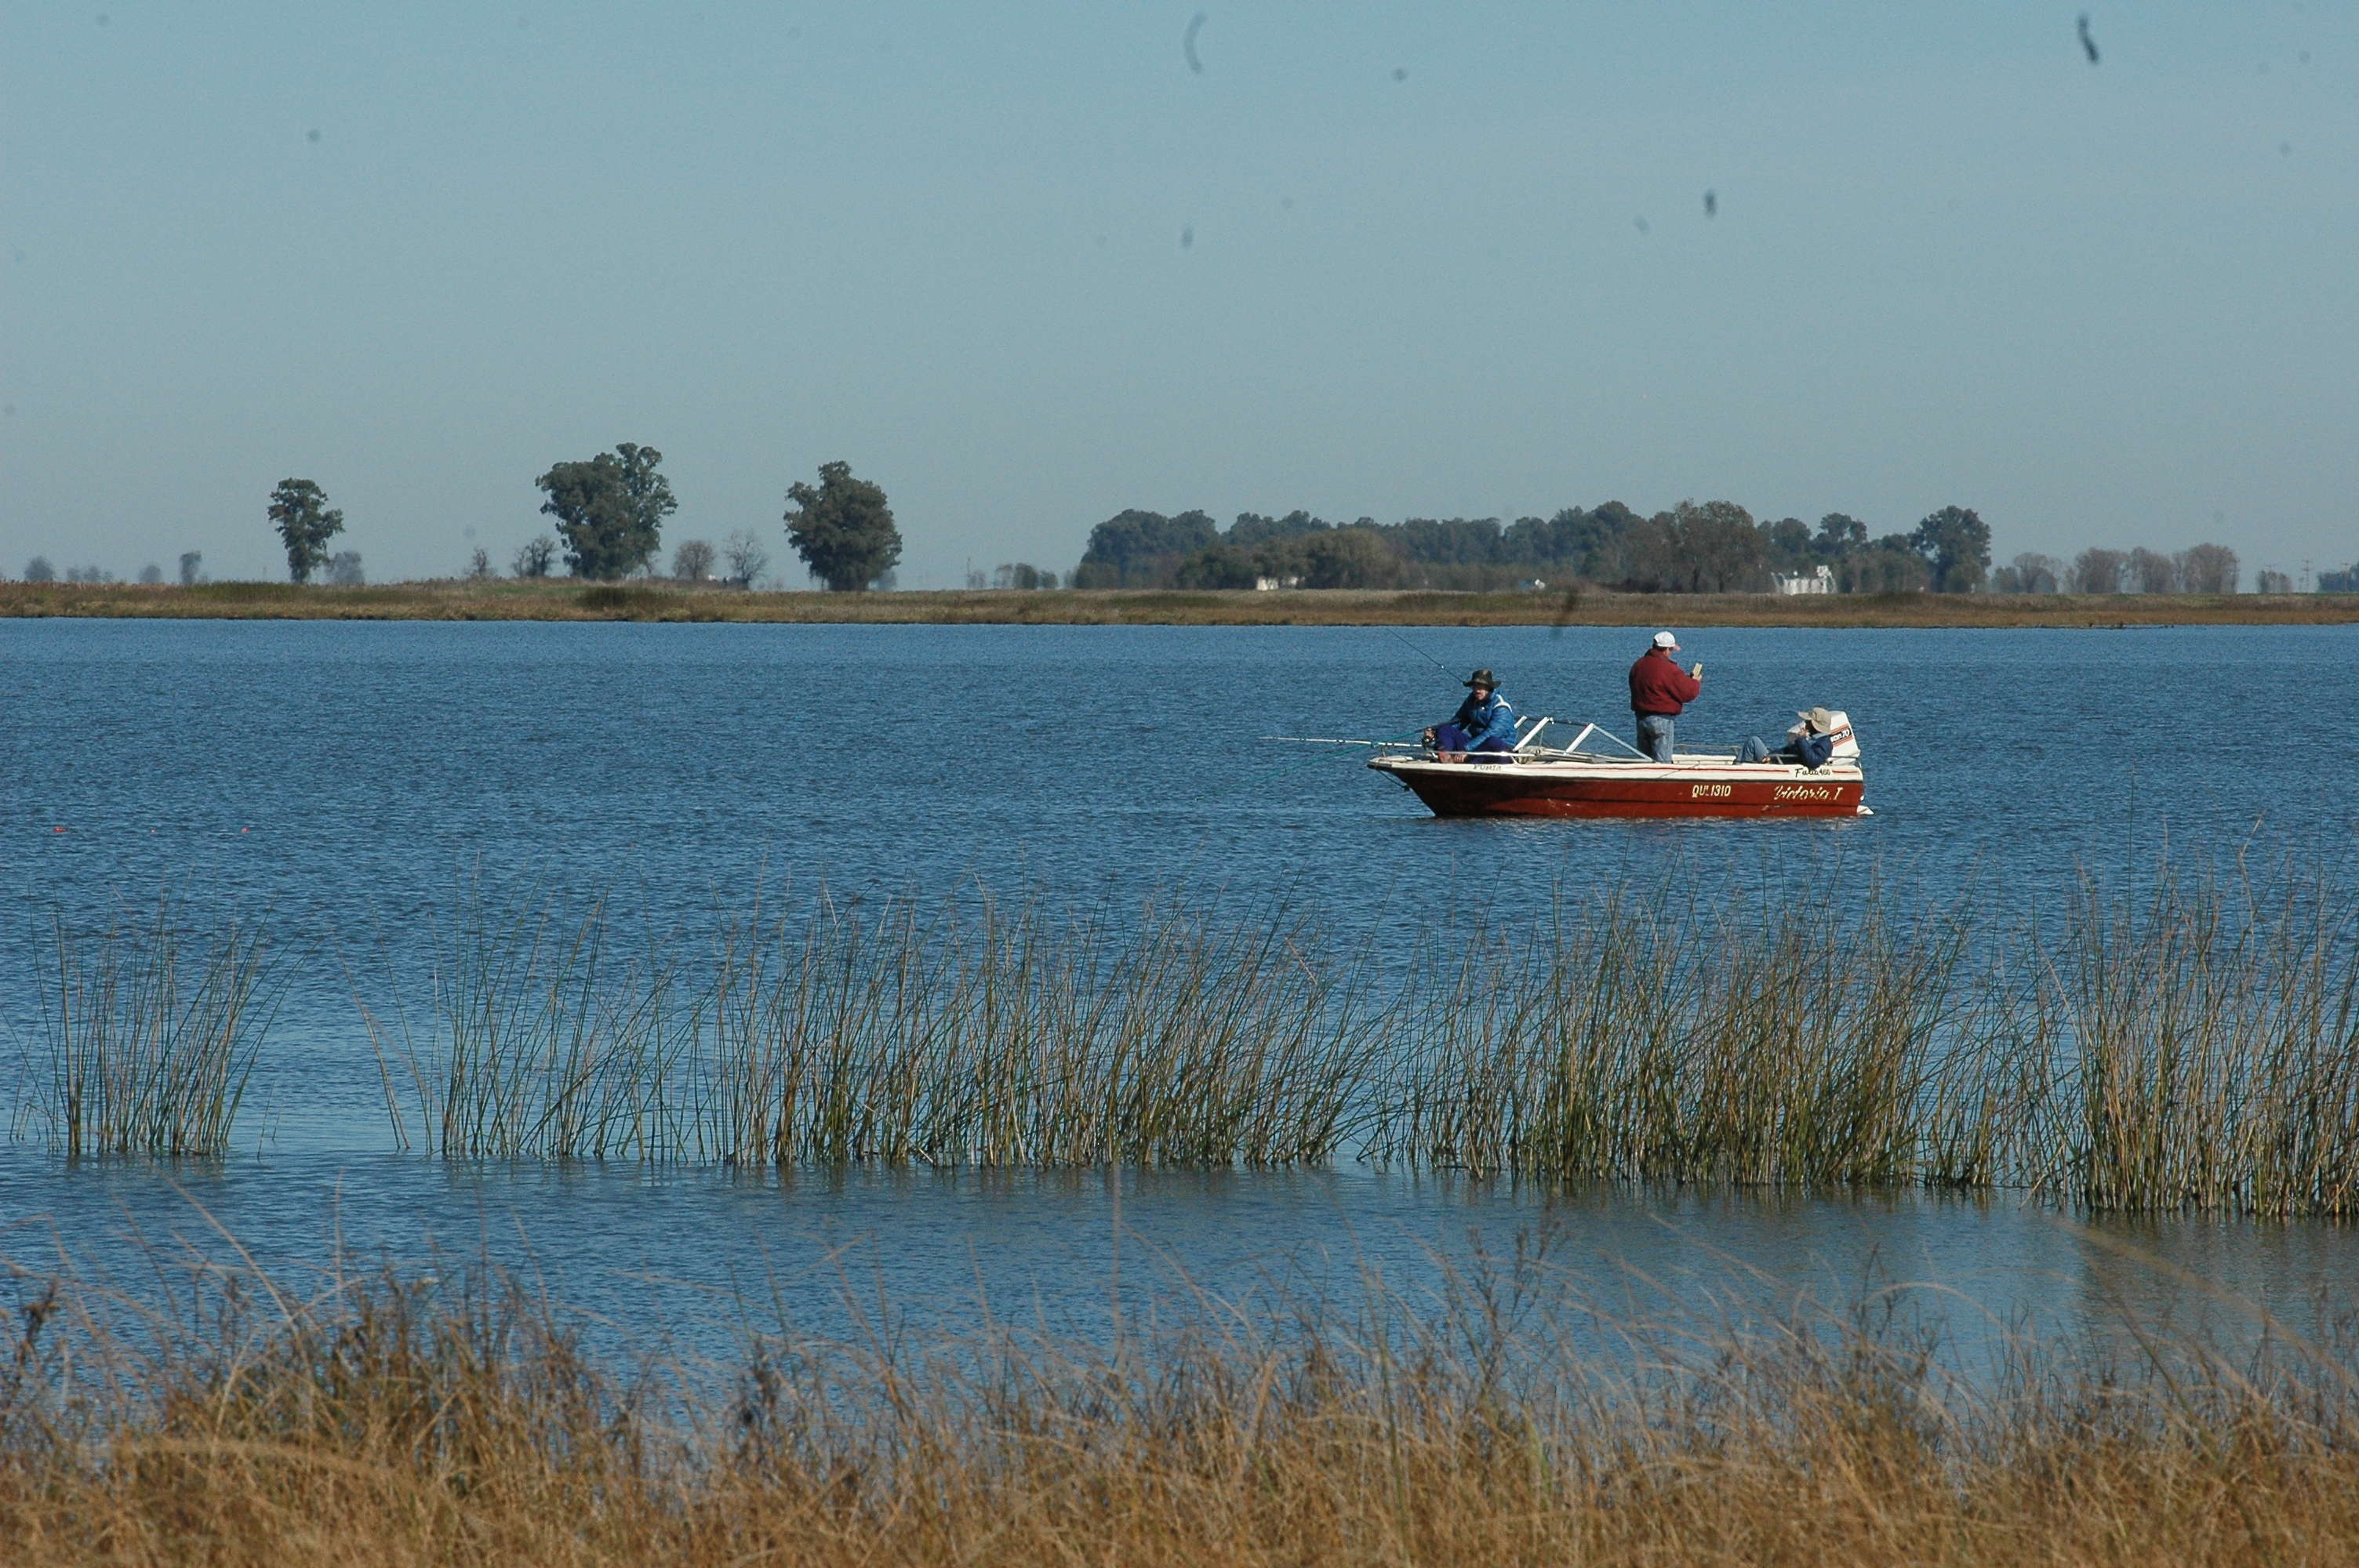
(566, 600)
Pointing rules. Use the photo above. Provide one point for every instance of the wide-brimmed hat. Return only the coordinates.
(1483, 678)
(1818, 718)
(1665, 640)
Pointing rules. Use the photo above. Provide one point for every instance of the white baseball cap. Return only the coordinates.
(1665, 640)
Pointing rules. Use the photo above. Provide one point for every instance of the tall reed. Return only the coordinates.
(939, 1034)
(151, 1034)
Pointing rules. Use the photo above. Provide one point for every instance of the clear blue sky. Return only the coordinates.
(1951, 261)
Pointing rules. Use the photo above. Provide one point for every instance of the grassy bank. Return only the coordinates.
(420, 1421)
(567, 600)
(2189, 1049)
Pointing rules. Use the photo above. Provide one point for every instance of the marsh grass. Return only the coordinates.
(149, 1032)
(461, 1419)
(953, 1034)
(2192, 1048)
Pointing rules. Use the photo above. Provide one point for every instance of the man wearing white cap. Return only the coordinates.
(1659, 693)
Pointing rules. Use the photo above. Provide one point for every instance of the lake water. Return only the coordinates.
(348, 778)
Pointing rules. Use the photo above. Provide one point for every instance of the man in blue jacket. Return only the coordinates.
(1811, 744)
(1483, 722)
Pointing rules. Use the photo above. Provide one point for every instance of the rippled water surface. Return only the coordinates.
(349, 779)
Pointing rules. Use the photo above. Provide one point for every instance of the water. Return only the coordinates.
(347, 778)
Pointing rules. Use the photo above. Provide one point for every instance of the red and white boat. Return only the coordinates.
(1550, 773)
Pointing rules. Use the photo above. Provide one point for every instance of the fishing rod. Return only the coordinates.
(1330, 739)
(1413, 648)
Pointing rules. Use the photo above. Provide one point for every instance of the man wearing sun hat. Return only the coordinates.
(1483, 722)
(1659, 693)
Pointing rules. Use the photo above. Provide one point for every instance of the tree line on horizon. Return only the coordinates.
(610, 512)
(1713, 547)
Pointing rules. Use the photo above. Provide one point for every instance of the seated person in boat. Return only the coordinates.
(1809, 743)
(1659, 693)
(1483, 722)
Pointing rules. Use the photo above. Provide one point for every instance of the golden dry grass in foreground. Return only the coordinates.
(407, 1423)
(562, 600)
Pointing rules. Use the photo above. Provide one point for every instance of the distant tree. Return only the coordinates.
(2150, 571)
(691, 561)
(152, 574)
(842, 529)
(300, 511)
(1956, 544)
(192, 567)
(2269, 581)
(38, 569)
(89, 574)
(2208, 568)
(1888, 565)
(533, 558)
(1022, 574)
(479, 566)
(2098, 571)
(2030, 573)
(1142, 549)
(1714, 547)
(610, 509)
(1349, 557)
(743, 554)
(1789, 544)
(1840, 535)
(1221, 566)
(2344, 581)
(344, 569)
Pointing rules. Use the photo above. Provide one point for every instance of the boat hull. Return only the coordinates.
(1473, 789)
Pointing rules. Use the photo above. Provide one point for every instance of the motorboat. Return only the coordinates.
(1555, 770)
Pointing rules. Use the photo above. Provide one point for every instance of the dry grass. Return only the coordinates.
(559, 599)
(394, 1421)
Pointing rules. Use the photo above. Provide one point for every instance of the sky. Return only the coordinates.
(1025, 266)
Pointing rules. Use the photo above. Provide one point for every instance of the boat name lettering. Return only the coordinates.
(1804, 792)
(1711, 792)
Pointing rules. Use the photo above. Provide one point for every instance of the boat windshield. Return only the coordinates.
(1564, 736)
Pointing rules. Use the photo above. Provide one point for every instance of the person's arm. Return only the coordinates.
(1687, 686)
(1815, 751)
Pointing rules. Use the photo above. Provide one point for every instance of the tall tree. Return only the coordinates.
(842, 529)
(1956, 544)
(610, 509)
(300, 511)
(2208, 568)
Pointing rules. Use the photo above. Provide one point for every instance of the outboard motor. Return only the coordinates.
(1846, 743)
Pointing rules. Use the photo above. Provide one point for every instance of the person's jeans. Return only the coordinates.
(1753, 751)
(1655, 735)
(1450, 738)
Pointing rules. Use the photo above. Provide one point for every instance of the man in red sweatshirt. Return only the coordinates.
(1659, 692)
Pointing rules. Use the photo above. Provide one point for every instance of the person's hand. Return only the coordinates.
(1427, 739)
(1695, 671)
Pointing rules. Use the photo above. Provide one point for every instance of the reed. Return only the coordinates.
(399, 1420)
(150, 1033)
(987, 1034)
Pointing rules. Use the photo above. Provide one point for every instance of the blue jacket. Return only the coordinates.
(1812, 751)
(1486, 720)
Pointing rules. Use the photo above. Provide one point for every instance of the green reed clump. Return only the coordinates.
(912, 1034)
(151, 1034)
(539, 1043)
(1623, 1040)
(2213, 1053)
(2193, 1051)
